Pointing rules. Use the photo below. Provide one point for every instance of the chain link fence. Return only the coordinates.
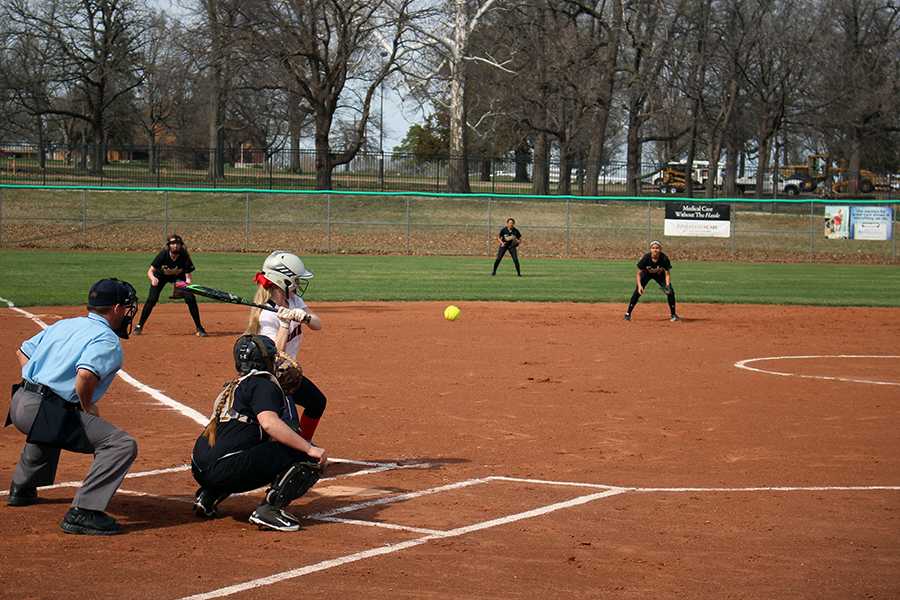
(410, 223)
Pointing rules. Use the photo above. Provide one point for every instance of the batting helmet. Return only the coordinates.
(287, 271)
(254, 352)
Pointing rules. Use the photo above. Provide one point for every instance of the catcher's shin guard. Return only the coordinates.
(293, 483)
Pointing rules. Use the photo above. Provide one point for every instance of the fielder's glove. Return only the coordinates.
(668, 290)
(288, 373)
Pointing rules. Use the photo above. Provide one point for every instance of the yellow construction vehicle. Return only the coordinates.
(820, 167)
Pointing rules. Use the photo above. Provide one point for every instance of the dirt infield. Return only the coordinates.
(523, 451)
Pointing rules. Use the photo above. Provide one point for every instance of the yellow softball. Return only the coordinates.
(451, 313)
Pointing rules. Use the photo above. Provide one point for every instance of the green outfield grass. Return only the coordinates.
(34, 277)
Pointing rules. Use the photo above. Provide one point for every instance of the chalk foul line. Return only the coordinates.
(744, 364)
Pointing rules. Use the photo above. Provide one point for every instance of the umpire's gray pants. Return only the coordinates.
(114, 451)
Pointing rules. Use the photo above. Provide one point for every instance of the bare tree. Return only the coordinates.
(331, 53)
(94, 47)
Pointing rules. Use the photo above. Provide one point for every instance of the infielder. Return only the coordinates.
(172, 265)
(249, 442)
(656, 266)
(281, 283)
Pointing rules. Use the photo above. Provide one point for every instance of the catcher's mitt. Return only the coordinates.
(288, 373)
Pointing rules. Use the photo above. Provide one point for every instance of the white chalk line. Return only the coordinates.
(70, 484)
(607, 492)
(743, 364)
(392, 548)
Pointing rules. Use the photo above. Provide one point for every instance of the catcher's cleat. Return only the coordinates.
(206, 502)
(267, 516)
(674, 318)
(138, 329)
(627, 316)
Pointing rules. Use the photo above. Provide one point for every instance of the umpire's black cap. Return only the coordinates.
(112, 291)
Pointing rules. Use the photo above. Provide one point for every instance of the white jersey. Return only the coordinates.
(269, 324)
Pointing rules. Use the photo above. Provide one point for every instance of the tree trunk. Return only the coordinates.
(564, 183)
(458, 174)
(633, 154)
(601, 114)
(523, 155)
(295, 125)
(324, 164)
(487, 169)
(541, 184)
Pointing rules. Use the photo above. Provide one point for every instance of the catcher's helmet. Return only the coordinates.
(254, 352)
(287, 271)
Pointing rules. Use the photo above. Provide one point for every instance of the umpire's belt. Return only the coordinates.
(47, 392)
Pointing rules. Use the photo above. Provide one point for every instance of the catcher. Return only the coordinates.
(509, 239)
(656, 266)
(249, 441)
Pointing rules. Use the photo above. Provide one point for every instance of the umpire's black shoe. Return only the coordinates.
(269, 517)
(206, 501)
(20, 495)
(89, 522)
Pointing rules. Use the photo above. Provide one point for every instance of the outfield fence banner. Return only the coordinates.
(698, 219)
(871, 223)
(837, 222)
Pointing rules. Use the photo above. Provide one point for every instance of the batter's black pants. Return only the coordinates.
(659, 278)
(249, 469)
(311, 398)
(512, 252)
(153, 298)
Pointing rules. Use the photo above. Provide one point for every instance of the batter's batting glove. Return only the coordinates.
(292, 314)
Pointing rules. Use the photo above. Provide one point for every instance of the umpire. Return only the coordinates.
(656, 266)
(508, 239)
(66, 369)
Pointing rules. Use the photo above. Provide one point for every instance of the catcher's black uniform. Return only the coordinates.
(510, 239)
(171, 270)
(655, 270)
(244, 457)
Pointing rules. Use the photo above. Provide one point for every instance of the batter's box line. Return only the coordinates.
(377, 467)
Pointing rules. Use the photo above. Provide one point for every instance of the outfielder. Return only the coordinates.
(656, 266)
(282, 283)
(250, 443)
(508, 240)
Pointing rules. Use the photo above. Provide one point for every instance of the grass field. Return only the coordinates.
(35, 277)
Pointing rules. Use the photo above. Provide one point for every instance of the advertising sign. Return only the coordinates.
(871, 223)
(837, 222)
(698, 219)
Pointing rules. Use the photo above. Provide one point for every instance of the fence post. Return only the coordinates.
(649, 225)
(408, 228)
(812, 232)
(733, 228)
(489, 230)
(83, 218)
(893, 229)
(328, 223)
(568, 228)
(1, 217)
(166, 215)
(246, 221)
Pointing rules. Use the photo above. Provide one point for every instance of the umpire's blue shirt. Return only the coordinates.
(56, 353)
